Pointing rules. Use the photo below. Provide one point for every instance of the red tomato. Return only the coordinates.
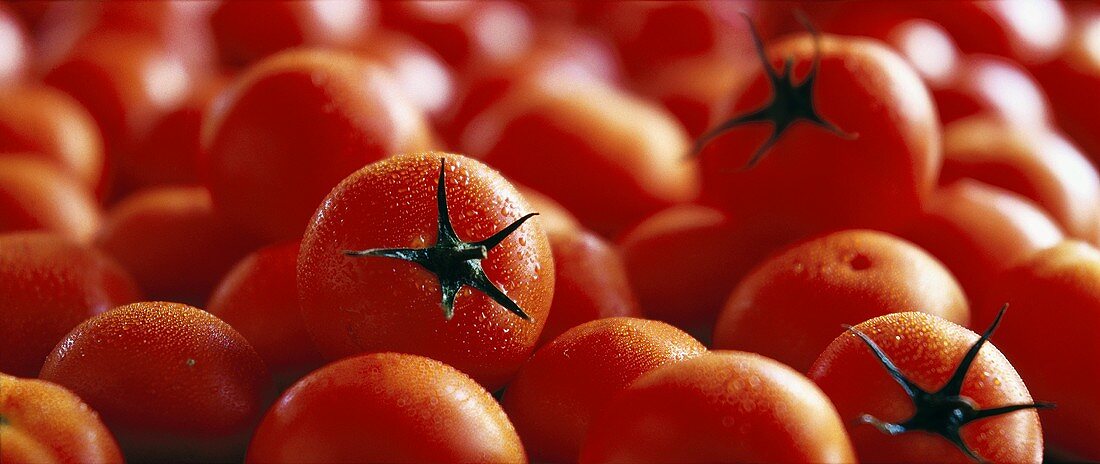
(172, 242)
(924, 44)
(249, 30)
(370, 301)
(568, 382)
(44, 423)
(552, 215)
(1073, 83)
(977, 230)
(590, 283)
(724, 406)
(952, 395)
(695, 89)
(386, 407)
(37, 195)
(793, 304)
(994, 86)
(49, 285)
(306, 119)
(259, 298)
(417, 69)
(683, 262)
(572, 142)
(171, 381)
(14, 49)
(1055, 305)
(1040, 165)
(870, 160)
(48, 124)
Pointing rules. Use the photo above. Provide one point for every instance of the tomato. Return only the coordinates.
(303, 119)
(609, 157)
(49, 285)
(946, 387)
(47, 123)
(418, 70)
(866, 156)
(44, 423)
(793, 304)
(682, 262)
(171, 381)
(249, 30)
(1039, 164)
(994, 86)
(386, 407)
(380, 269)
(14, 48)
(37, 195)
(172, 242)
(724, 406)
(1055, 303)
(590, 283)
(259, 298)
(977, 230)
(552, 215)
(1073, 83)
(567, 383)
(694, 89)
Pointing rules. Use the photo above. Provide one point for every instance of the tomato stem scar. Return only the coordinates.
(454, 262)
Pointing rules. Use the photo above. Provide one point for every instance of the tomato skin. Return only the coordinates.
(302, 118)
(570, 143)
(46, 123)
(695, 90)
(49, 284)
(814, 180)
(149, 369)
(1072, 80)
(567, 382)
(994, 86)
(977, 230)
(723, 406)
(259, 298)
(926, 349)
(419, 70)
(1054, 301)
(46, 423)
(37, 195)
(357, 305)
(793, 304)
(589, 283)
(172, 242)
(386, 407)
(553, 216)
(14, 48)
(244, 39)
(1039, 164)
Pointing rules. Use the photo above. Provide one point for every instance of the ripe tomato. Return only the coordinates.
(171, 381)
(866, 156)
(986, 85)
(552, 215)
(172, 242)
(1038, 164)
(570, 142)
(793, 304)
(694, 89)
(386, 407)
(1055, 304)
(249, 30)
(259, 298)
(49, 285)
(14, 48)
(44, 423)
(723, 406)
(47, 123)
(977, 230)
(38, 195)
(956, 393)
(386, 298)
(1073, 83)
(301, 118)
(417, 69)
(567, 383)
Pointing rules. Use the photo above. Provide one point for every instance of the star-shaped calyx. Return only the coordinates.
(789, 104)
(945, 411)
(454, 262)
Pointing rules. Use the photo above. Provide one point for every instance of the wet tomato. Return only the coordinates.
(42, 422)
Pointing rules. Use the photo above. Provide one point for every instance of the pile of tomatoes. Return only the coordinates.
(550, 231)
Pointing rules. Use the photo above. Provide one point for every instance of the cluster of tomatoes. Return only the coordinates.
(515, 230)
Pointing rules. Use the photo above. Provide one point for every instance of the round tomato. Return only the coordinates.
(427, 254)
(723, 406)
(43, 423)
(14, 48)
(793, 304)
(1073, 83)
(38, 195)
(694, 90)
(48, 285)
(47, 123)
(291, 127)
(386, 407)
(417, 69)
(171, 381)
(567, 383)
(913, 387)
(248, 30)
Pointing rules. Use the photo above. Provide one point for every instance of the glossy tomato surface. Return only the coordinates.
(46, 123)
(39, 195)
(45, 423)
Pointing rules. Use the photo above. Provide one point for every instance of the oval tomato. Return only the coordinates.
(381, 270)
(43, 423)
(38, 195)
